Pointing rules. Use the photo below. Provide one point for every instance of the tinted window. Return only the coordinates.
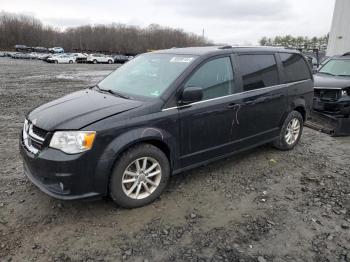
(258, 71)
(295, 67)
(214, 77)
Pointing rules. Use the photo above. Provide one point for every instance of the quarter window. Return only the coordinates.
(258, 71)
(295, 67)
(214, 77)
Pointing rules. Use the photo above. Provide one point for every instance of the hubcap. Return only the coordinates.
(141, 178)
(293, 131)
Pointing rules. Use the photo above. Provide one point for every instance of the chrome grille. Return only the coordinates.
(38, 131)
(33, 137)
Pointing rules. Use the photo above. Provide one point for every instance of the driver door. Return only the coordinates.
(206, 126)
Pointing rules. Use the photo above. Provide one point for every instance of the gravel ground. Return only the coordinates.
(262, 205)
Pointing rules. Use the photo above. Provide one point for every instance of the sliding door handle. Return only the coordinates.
(232, 105)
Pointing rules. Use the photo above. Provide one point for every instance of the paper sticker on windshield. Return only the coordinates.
(181, 59)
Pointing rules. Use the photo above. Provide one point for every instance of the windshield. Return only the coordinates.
(337, 67)
(147, 75)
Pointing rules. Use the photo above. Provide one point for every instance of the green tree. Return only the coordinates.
(296, 42)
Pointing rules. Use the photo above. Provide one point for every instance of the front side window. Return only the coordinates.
(214, 77)
(258, 71)
(337, 67)
(147, 75)
(295, 67)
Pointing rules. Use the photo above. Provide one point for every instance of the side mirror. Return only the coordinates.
(191, 94)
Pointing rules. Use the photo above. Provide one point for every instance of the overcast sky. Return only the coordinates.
(224, 21)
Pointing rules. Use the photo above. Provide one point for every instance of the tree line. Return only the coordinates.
(296, 42)
(117, 38)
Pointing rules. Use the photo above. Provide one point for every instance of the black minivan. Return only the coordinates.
(162, 113)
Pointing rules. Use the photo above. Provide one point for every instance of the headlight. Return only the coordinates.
(26, 126)
(344, 93)
(73, 142)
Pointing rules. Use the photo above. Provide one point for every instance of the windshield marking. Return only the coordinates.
(181, 59)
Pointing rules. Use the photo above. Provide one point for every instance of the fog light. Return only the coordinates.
(61, 186)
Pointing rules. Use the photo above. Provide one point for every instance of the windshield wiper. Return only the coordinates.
(326, 73)
(113, 92)
(344, 75)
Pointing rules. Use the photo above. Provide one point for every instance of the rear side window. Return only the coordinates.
(295, 67)
(258, 71)
(215, 78)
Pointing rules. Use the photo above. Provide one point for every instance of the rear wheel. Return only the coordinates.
(139, 176)
(290, 132)
(110, 61)
(70, 61)
(95, 61)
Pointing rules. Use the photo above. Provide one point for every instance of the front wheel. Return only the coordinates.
(290, 132)
(95, 61)
(139, 176)
(110, 61)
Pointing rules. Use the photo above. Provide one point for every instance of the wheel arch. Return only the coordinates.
(154, 136)
(302, 111)
(298, 105)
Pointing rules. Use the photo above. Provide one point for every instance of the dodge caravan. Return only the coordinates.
(162, 113)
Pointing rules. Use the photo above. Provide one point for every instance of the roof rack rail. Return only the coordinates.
(225, 47)
(251, 46)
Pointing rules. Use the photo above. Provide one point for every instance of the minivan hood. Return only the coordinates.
(330, 82)
(79, 109)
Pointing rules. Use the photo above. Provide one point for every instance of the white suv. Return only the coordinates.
(61, 59)
(99, 58)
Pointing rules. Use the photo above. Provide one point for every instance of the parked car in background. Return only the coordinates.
(40, 49)
(332, 86)
(20, 55)
(14, 55)
(23, 48)
(2, 54)
(79, 57)
(56, 50)
(312, 61)
(33, 55)
(99, 58)
(9, 54)
(161, 114)
(61, 59)
(121, 59)
(44, 56)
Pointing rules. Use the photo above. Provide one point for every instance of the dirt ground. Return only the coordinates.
(262, 205)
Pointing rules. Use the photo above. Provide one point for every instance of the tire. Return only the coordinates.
(70, 61)
(126, 194)
(110, 61)
(56, 62)
(94, 62)
(287, 142)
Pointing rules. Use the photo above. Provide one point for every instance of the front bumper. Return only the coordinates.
(331, 107)
(59, 175)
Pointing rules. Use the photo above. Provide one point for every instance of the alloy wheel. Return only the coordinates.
(141, 178)
(292, 131)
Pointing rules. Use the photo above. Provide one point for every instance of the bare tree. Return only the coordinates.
(116, 38)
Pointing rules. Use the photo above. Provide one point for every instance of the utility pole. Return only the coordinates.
(203, 33)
